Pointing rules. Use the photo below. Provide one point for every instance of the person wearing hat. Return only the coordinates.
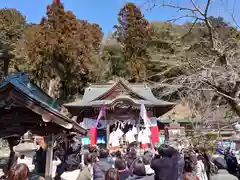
(222, 170)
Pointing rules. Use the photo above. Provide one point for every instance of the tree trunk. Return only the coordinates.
(54, 88)
(5, 66)
(1, 70)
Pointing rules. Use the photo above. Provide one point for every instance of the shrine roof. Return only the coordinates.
(91, 94)
(32, 93)
(23, 83)
(180, 113)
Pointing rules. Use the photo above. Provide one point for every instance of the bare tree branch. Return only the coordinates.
(214, 67)
(180, 8)
(161, 73)
(207, 7)
(157, 85)
(197, 14)
(232, 13)
(190, 30)
(197, 9)
(184, 16)
(234, 20)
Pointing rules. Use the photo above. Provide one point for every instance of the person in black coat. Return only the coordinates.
(130, 156)
(232, 163)
(165, 164)
(120, 165)
(101, 166)
(40, 160)
(138, 171)
(147, 159)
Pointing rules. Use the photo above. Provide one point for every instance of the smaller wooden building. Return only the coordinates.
(25, 107)
(181, 114)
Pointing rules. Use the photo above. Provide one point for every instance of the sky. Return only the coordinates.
(104, 12)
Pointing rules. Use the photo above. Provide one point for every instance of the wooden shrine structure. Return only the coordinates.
(122, 102)
(25, 107)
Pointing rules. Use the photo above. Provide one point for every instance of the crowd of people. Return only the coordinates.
(163, 163)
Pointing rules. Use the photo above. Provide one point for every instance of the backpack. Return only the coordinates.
(232, 163)
(73, 162)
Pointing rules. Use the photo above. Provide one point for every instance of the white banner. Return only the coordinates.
(90, 123)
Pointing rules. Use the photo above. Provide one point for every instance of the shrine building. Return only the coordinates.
(122, 102)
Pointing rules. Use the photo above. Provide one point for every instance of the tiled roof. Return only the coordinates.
(94, 91)
(168, 121)
(179, 112)
(21, 82)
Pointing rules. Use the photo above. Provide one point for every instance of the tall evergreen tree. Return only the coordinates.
(12, 24)
(61, 47)
(133, 33)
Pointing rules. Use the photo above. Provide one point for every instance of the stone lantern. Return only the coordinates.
(26, 150)
(176, 135)
(236, 127)
(236, 136)
(174, 130)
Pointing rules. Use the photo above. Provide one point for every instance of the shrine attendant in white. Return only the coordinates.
(114, 138)
(144, 138)
(55, 163)
(130, 136)
(134, 130)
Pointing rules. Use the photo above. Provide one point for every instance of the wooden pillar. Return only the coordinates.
(49, 157)
(11, 143)
(107, 134)
(66, 143)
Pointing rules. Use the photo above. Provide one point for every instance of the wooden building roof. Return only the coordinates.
(180, 113)
(97, 94)
(19, 96)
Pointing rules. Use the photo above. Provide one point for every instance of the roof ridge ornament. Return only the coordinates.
(123, 80)
(146, 85)
(56, 1)
(64, 111)
(118, 79)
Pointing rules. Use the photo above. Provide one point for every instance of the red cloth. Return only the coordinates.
(93, 136)
(144, 146)
(154, 135)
